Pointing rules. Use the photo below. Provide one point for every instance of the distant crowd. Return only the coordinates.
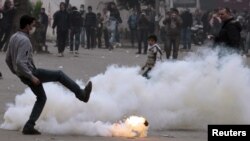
(83, 28)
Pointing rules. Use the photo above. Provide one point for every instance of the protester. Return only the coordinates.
(90, 26)
(187, 19)
(19, 59)
(99, 30)
(76, 23)
(143, 30)
(132, 24)
(154, 51)
(229, 35)
(173, 30)
(8, 14)
(61, 23)
(83, 14)
(44, 21)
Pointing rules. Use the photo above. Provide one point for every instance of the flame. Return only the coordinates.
(133, 126)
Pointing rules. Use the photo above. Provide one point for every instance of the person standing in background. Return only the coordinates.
(83, 31)
(143, 27)
(61, 23)
(7, 22)
(187, 19)
(229, 35)
(132, 24)
(106, 24)
(75, 30)
(99, 30)
(44, 20)
(90, 26)
(172, 24)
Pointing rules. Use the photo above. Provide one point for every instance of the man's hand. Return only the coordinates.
(35, 80)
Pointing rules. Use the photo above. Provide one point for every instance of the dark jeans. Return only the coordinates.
(46, 76)
(90, 32)
(99, 37)
(4, 38)
(82, 36)
(172, 42)
(43, 34)
(186, 38)
(62, 37)
(106, 37)
(142, 37)
(145, 74)
(75, 39)
(133, 33)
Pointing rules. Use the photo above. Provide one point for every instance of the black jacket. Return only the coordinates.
(229, 34)
(90, 20)
(187, 19)
(143, 23)
(76, 20)
(61, 20)
(8, 17)
(44, 19)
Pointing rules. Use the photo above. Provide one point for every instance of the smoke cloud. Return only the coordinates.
(202, 89)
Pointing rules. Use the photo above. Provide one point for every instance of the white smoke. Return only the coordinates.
(202, 89)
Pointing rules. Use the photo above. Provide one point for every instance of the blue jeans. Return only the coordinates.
(47, 76)
(172, 43)
(186, 38)
(82, 36)
(74, 39)
(113, 33)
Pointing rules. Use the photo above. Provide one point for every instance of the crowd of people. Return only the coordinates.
(80, 28)
(174, 27)
(80, 23)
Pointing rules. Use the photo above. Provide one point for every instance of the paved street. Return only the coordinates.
(88, 64)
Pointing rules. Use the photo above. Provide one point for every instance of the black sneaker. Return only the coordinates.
(86, 92)
(30, 131)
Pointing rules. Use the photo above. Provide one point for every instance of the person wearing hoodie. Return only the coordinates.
(229, 35)
(76, 23)
(61, 23)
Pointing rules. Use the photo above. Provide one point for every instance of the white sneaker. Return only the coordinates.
(118, 45)
(76, 53)
(60, 55)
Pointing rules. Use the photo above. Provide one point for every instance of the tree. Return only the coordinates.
(37, 9)
(22, 7)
